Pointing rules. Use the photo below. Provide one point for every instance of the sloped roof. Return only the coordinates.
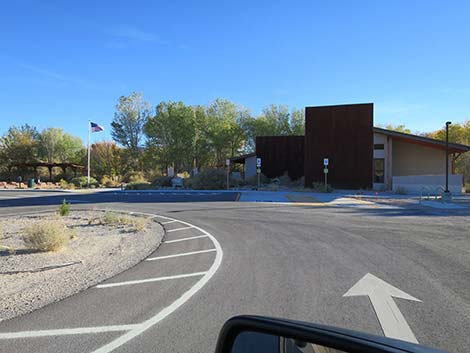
(421, 140)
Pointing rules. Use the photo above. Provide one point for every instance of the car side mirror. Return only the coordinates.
(256, 334)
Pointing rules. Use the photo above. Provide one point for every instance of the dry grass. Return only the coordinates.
(46, 235)
(4, 247)
(115, 219)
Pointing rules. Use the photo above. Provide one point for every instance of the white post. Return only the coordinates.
(88, 167)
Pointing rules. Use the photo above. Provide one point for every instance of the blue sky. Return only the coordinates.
(64, 62)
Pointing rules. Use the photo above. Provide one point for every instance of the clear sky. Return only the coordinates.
(64, 62)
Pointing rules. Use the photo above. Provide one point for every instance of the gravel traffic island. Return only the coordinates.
(45, 258)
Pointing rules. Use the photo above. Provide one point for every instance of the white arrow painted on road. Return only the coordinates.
(381, 296)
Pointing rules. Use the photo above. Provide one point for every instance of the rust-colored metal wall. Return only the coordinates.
(280, 154)
(344, 135)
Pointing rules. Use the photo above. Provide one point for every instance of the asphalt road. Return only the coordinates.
(287, 261)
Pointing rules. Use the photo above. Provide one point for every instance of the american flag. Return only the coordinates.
(95, 127)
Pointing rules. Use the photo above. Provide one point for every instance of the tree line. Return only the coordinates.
(147, 140)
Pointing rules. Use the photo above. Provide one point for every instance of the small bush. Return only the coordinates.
(3, 247)
(285, 180)
(210, 179)
(253, 180)
(320, 187)
(46, 235)
(64, 209)
(299, 183)
(401, 190)
(111, 218)
(109, 182)
(135, 177)
(115, 219)
(161, 181)
(139, 186)
(81, 182)
(63, 183)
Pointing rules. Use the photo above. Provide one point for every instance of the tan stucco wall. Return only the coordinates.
(413, 159)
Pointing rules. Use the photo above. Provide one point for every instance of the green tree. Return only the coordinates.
(399, 128)
(105, 160)
(458, 133)
(18, 146)
(275, 120)
(55, 146)
(297, 122)
(171, 135)
(224, 132)
(49, 141)
(71, 149)
(127, 127)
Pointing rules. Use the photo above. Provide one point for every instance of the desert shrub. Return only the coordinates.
(299, 183)
(139, 186)
(81, 182)
(63, 183)
(320, 187)
(109, 182)
(139, 223)
(210, 179)
(188, 183)
(64, 209)
(253, 180)
(3, 247)
(115, 219)
(46, 235)
(400, 190)
(135, 177)
(161, 181)
(285, 180)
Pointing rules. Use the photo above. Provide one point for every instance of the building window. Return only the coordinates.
(379, 146)
(379, 170)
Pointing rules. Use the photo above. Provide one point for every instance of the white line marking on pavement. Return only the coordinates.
(148, 280)
(68, 331)
(168, 222)
(182, 254)
(177, 229)
(390, 317)
(184, 239)
(175, 305)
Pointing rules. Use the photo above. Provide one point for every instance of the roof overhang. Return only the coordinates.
(421, 140)
(241, 159)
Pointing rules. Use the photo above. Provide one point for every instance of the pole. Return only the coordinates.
(88, 166)
(326, 181)
(228, 176)
(447, 156)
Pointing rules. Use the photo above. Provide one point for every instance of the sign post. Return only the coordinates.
(325, 171)
(258, 171)
(227, 163)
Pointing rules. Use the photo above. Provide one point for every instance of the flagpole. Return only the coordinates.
(88, 168)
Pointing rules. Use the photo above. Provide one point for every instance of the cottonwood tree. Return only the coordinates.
(105, 159)
(224, 131)
(275, 120)
(171, 134)
(55, 145)
(19, 145)
(127, 127)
